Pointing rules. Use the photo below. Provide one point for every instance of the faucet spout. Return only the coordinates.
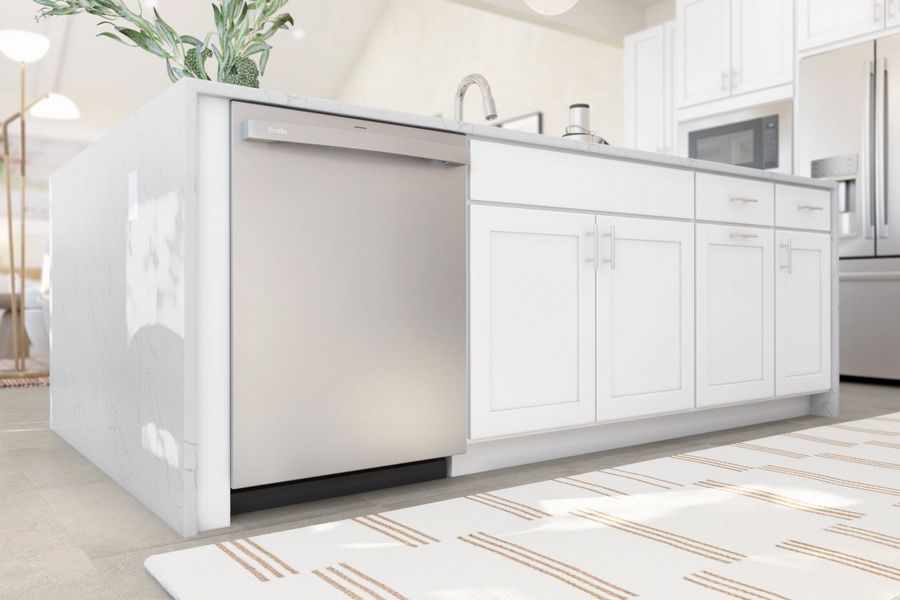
(487, 98)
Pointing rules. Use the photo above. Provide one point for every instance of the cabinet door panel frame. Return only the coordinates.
(802, 336)
(621, 360)
(490, 415)
(741, 388)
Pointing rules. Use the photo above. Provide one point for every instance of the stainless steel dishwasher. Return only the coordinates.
(348, 277)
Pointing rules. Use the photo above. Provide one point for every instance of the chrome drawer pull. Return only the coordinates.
(810, 207)
(744, 236)
(745, 200)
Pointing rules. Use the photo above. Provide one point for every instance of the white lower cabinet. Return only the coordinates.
(735, 314)
(802, 313)
(645, 317)
(532, 320)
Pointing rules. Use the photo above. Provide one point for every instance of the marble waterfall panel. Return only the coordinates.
(118, 308)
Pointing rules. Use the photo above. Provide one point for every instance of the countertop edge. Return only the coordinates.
(484, 132)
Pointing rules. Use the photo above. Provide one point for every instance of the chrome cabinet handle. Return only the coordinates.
(810, 207)
(724, 81)
(789, 246)
(612, 247)
(745, 200)
(876, 11)
(743, 236)
(735, 77)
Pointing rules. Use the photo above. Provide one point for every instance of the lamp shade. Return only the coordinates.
(56, 106)
(550, 7)
(23, 46)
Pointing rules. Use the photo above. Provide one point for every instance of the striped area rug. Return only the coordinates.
(808, 515)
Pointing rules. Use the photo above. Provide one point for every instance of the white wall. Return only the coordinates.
(420, 49)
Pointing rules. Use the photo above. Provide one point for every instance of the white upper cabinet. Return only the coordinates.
(892, 17)
(532, 320)
(649, 107)
(803, 313)
(732, 47)
(821, 22)
(762, 44)
(645, 317)
(735, 314)
(704, 51)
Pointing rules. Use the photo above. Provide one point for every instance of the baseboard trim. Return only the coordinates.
(511, 452)
(331, 486)
(870, 380)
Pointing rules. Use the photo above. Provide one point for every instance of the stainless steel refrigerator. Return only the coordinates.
(848, 128)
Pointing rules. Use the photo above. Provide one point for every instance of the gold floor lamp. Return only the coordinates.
(24, 47)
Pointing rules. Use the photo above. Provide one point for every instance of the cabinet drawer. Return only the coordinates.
(802, 208)
(534, 176)
(735, 200)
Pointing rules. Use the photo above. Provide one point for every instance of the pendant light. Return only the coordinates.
(551, 7)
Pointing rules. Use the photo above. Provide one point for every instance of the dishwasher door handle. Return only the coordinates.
(356, 138)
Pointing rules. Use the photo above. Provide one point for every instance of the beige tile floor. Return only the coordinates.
(68, 532)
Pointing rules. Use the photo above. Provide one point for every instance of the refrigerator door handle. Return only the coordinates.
(881, 149)
(867, 159)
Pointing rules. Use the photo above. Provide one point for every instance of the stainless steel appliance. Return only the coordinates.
(759, 137)
(348, 275)
(751, 143)
(848, 123)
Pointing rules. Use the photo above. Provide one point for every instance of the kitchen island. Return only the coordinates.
(615, 297)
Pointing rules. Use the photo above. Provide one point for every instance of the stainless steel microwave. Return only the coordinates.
(750, 143)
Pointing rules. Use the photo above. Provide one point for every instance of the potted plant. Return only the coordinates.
(238, 42)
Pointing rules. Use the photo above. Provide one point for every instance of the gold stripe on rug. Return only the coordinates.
(376, 526)
(773, 498)
(770, 450)
(336, 585)
(593, 590)
(732, 587)
(842, 558)
(856, 485)
(884, 444)
(660, 535)
(350, 578)
(256, 557)
(711, 462)
(506, 501)
(861, 461)
(407, 527)
(24, 382)
(641, 478)
(590, 486)
(864, 430)
(247, 566)
(866, 534)
(380, 521)
(374, 581)
(272, 556)
(516, 512)
(529, 553)
(820, 440)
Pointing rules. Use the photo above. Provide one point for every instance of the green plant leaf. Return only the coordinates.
(191, 41)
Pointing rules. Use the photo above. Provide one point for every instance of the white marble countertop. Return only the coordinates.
(221, 90)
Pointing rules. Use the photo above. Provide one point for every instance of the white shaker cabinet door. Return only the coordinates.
(645, 90)
(532, 320)
(821, 22)
(645, 317)
(735, 314)
(704, 56)
(762, 44)
(802, 313)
